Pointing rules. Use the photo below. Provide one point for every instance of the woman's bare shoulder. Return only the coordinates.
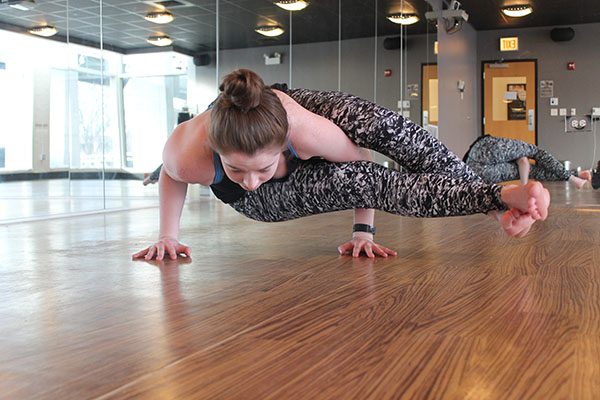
(313, 135)
(297, 116)
(187, 156)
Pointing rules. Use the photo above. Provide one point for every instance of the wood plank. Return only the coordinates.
(271, 311)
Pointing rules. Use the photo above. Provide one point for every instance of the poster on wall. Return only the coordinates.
(518, 104)
(546, 88)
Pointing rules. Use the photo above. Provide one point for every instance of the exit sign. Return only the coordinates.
(509, 44)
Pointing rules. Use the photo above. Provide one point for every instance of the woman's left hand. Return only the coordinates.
(360, 244)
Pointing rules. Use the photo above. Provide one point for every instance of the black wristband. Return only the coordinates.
(363, 228)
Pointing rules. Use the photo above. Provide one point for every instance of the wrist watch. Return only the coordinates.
(363, 228)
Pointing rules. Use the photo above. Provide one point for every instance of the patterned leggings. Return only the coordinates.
(494, 160)
(438, 183)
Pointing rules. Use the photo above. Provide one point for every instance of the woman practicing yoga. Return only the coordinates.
(275, 154)
(496, 159)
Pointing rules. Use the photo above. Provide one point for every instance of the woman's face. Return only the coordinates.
(251, 171)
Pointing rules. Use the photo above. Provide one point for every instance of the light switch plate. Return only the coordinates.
(554, 112)
(562, 112)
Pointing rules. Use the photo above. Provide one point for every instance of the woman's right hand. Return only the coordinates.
(164, 246)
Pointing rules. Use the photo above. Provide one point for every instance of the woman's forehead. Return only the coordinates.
(259, 160)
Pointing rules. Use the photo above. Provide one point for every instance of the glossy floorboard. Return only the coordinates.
(26, 200)
(270, 311)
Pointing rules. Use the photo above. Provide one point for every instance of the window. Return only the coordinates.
(16, 110)
(154, 93)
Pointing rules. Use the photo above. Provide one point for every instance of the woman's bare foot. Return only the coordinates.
(515, 223)
(585, 174)
(149, 180)
(531, 198)
(577, 181)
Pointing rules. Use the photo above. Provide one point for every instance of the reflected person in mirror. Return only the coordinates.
(275, 154)
(496, 159)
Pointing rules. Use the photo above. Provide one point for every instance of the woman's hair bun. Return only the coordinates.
(243, 88)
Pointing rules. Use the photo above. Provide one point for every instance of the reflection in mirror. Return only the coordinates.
(90, 111)
(92, 106)
(256, 36)
(384, 45)
(153, 86)
(25, 121)
(316, 46)
(408, 42)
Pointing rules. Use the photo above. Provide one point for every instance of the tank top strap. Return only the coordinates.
(218, 168)
(291, 149)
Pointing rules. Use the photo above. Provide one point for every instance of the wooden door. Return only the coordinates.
(429, 106)
(509, 100)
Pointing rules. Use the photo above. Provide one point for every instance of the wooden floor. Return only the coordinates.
(270, 311)
(50, 198)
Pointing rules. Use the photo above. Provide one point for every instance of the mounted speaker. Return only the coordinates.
(393, 43)
(201, 60)
(562, 34)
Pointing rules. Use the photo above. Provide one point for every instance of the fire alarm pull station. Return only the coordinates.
(571, 66)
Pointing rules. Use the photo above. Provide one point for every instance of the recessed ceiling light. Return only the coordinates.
(270, 31)
(160, 40)
(517, 11)
(45, 31)
(159, 17)
(292, 5)
(403, 19)
(23, 5)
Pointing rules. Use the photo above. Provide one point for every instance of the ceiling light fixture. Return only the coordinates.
(160, 40)
(517, 11)
(159, 17)
(45, 31)
(403, 19)
(292, 5)
(270, 31)
(23, 5)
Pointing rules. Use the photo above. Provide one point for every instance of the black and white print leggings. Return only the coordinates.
(437, 184)
(494, 160)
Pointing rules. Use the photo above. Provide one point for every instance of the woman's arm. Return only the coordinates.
(186, 160)
(172, 197)
(316, 136)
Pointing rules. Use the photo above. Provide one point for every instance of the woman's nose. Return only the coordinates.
(251, 182)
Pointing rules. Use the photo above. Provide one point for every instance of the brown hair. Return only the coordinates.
(247, 116)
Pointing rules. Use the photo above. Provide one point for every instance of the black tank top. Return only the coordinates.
(229, 192)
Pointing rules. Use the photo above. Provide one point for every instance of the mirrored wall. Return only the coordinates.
(85, 112)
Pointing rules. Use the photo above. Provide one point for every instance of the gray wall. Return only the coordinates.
(457, 61)
(315, 66)
(578, 89)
